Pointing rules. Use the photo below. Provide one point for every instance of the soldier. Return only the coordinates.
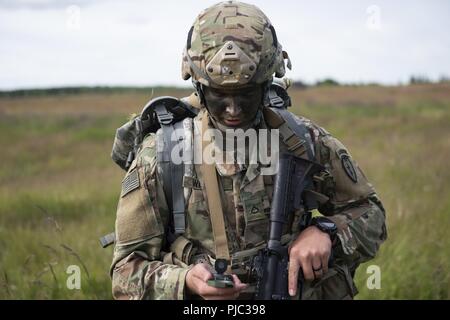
(232, 54)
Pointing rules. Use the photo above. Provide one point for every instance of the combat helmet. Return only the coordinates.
(232, 45)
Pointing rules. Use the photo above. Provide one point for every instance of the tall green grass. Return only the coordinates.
(59, 188)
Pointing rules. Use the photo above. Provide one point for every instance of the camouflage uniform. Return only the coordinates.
(139, 273)
(144, 267)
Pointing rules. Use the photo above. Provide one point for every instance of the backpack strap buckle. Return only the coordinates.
(164, 117)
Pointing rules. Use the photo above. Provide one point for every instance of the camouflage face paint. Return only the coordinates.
(233, 108)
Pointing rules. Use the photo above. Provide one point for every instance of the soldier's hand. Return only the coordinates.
(310, 252)
(197, 283)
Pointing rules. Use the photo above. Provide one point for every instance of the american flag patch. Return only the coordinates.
(130, 183)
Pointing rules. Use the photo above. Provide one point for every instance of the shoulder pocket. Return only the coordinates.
(136, 217)
(350, 183)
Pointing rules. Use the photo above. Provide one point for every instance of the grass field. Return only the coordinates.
(59, 187)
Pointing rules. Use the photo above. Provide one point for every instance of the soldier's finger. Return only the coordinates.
(307, 270)
(325, 260)
(293, 276)
(213, 291)
(233, 296)
(202, 272)
(238, 285)
(317, 267)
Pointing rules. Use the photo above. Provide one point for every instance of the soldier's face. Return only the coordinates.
(234, 108)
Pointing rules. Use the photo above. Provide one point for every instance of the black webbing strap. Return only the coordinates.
(172, 173)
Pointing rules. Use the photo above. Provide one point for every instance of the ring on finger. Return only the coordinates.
(318, 269)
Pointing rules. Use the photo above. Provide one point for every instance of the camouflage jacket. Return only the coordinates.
(142, 267)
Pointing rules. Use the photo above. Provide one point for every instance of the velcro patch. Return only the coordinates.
(130, 183)
(349, 168)
(227, 183)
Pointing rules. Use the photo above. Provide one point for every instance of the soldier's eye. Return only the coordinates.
(218, 94)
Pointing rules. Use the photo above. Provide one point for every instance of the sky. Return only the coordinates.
(49, 43)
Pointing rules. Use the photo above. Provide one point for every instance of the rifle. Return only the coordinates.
(271, 264)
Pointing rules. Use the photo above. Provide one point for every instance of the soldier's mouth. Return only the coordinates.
(232, 122)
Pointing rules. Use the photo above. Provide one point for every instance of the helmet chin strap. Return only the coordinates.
(198, 87)
(266, 89)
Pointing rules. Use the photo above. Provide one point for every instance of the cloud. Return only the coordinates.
(43, 4)
(140, 42)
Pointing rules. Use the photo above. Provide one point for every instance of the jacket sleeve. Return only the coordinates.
(352, 202)
(137, 269)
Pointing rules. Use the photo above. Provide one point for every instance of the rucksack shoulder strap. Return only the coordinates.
(292, 130)
(170, 139)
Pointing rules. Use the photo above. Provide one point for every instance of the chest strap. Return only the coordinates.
(214, 200)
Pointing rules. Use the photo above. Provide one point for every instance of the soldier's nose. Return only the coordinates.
(233, 109)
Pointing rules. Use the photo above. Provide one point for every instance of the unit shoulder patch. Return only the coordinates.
(348, 167)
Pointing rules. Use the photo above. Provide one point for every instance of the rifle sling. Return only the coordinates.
(214, 200)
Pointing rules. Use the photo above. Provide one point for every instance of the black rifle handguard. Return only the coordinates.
(271, 264)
